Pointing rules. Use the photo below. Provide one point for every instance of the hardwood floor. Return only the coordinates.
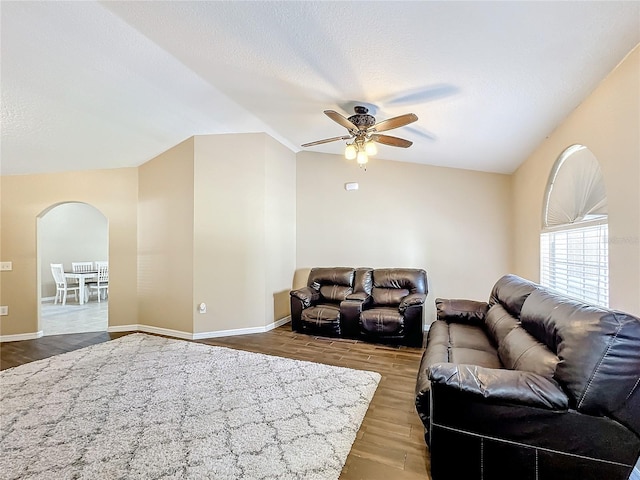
(389, 444)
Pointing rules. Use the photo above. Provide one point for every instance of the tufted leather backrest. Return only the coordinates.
(599, 352)
(521, 351)
(511, 291)
(391, 285)
(363, 281)
(499, 323)
(334, 284)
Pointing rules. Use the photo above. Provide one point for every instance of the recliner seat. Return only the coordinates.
(380, 305)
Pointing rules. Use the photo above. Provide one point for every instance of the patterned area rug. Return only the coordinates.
(146, 407)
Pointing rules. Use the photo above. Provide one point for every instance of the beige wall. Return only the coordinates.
(165, 239)
(25, 197)
(452, 223)
(244, 231)
(280, 227)
(608, 123)
(217, 219)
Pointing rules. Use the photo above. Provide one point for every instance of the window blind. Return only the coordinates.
(576, 190)
(574, 260)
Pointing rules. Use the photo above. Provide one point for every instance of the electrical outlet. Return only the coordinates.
(202, 308)
(4, 310)
(6, 266)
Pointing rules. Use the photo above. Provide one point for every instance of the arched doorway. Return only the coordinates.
(67, 233)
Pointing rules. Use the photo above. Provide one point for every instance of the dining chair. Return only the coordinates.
(62, 288)
(101, 286)
(79, 267)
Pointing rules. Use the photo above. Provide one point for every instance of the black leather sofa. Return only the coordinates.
(384, 305)
(530, 385)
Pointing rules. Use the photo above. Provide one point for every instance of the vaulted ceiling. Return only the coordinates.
(89, 85)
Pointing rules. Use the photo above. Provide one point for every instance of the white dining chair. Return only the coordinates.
(80, 267)
(62, 288)
(101, 286)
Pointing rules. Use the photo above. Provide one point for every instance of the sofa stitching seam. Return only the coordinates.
(525, 445)
(632, 389)
(595, 372)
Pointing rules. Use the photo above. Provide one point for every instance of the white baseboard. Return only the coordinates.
(200, 335)
(162, 331)
(241, 331)
(21, 336)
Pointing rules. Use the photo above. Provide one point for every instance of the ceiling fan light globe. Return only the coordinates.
(350, 152)
(362, 158)
(370, 148)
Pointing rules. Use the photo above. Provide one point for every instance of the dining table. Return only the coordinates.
(82, 277)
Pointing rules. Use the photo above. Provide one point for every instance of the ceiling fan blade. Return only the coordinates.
(394, 122)
(327, 140)
(336, 117)
(392, 141)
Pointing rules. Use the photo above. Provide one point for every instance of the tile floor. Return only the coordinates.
(74, 318)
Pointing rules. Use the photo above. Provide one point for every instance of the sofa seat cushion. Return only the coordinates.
(469, 336)
(322, 315)
(470, 344)
(382, 321)
(475, 357)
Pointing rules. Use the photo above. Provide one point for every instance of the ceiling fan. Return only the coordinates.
(364, 131)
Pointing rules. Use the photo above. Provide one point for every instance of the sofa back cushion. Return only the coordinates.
(388, 296)
(599, 352)
(363, 281)
(334, 284)
(499, 323)
(331, 276)
(335, 293)
(511, 291)
(391, 285)
(520, 351)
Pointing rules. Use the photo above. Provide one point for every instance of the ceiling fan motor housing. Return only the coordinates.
(362, 119)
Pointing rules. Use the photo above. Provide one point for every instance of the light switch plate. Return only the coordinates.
(4, 310)
(6, 266)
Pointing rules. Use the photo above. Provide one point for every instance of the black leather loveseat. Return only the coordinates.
(381, 305)
(531, 385)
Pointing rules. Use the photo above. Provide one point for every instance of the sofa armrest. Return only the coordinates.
(350, 310)
(358, 296)
(510, 386)
(461, 311)
(306, 295)
(411, 300)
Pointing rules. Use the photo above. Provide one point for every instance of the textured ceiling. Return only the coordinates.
(112, 84)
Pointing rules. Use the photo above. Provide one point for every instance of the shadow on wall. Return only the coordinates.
(300, 278)
(281, 300)
(281, 305)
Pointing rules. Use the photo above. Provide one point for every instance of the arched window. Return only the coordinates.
(574, 253)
